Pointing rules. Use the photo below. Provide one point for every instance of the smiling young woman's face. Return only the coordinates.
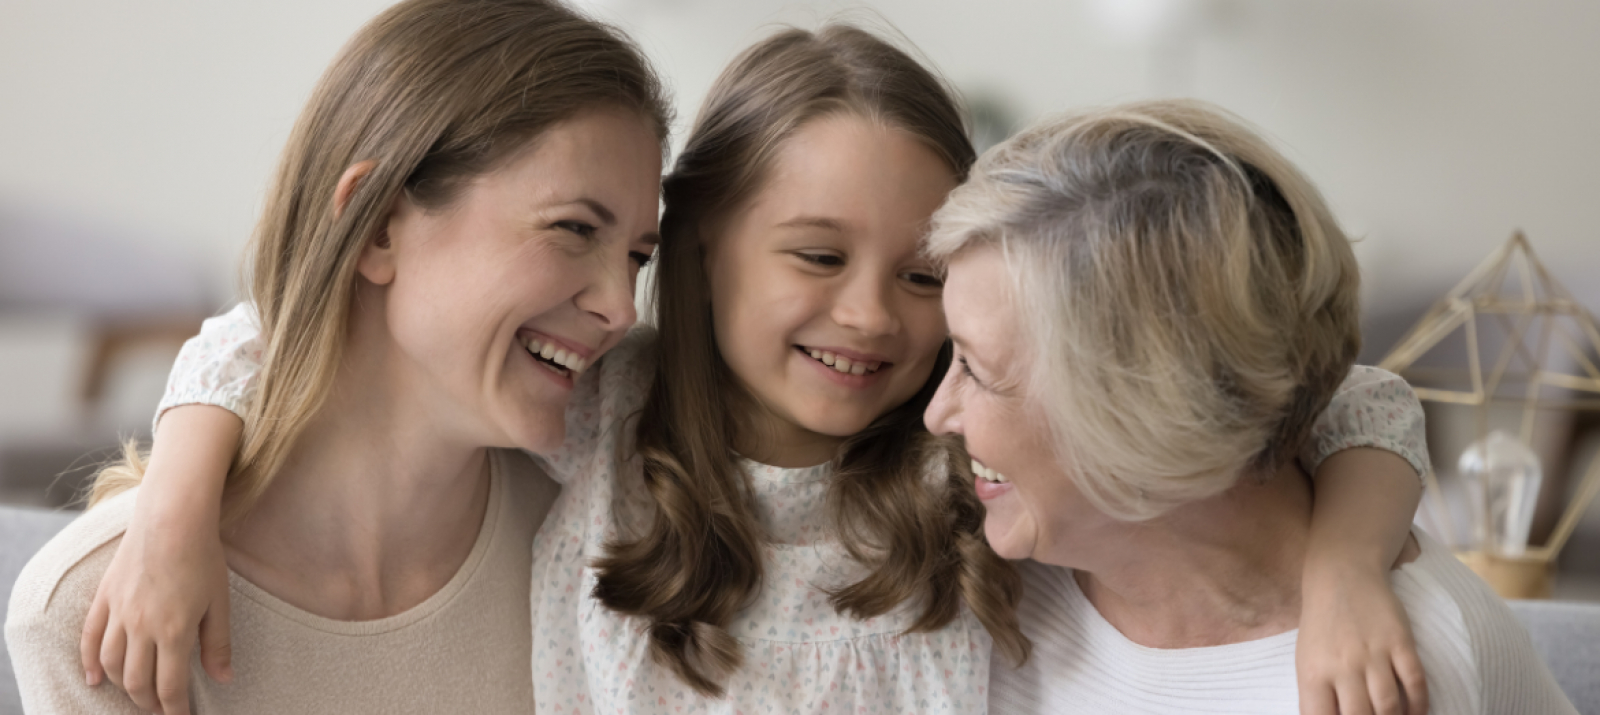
(822, 305)
(539, 255)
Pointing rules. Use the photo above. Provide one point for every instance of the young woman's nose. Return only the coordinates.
(609, 297)
(864, 306)
(942, 415)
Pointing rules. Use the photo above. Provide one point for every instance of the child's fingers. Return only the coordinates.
(1318, 699)
(94, 631)
(114, 651)
(1384, 690)
(139, 675)
(172, 677)
(1408, 668)
(1353, 696)
(216, 642)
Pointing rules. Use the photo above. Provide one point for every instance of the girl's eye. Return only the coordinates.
(578, 227)
(925, 280)
(825, 260)
(640, 257)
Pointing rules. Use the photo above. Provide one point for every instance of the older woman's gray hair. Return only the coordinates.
(1191, 303)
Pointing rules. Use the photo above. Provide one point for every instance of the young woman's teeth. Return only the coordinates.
(844, 364)
(988, 474)
(551, 354)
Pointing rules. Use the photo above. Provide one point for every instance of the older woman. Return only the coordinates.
(1149, 307)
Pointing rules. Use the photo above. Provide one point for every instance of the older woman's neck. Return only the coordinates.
(376, 507)
(1223, 570)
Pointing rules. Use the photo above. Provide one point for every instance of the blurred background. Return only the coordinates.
(136, 140)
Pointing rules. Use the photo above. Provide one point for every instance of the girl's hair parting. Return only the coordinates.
(700, 561)
(435, 92)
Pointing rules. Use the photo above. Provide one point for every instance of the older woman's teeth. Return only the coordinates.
(559, 356)
(988, 474)
(844, 364)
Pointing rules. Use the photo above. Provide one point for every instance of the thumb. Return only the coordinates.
(216, 642)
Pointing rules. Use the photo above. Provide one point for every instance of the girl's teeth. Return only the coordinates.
(844, 364)
(547, 352)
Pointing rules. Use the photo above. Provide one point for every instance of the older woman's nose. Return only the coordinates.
(942, 415)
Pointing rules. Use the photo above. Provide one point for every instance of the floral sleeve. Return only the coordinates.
(218, 366)
(1373, 408)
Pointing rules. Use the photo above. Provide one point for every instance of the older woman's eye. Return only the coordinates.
(578, 227)
(967, 370)
(640, 257)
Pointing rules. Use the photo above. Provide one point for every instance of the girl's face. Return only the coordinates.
(539, 255)
(821, 303)
(1033, 510)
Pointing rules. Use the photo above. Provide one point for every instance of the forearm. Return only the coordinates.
(1361, 515)
(189, 463)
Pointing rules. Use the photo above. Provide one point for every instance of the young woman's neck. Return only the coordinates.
(1222, 570)
(375, 509)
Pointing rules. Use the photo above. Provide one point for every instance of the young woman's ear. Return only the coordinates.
(377, 257)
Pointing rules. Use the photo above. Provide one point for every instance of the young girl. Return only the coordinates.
(753, 518)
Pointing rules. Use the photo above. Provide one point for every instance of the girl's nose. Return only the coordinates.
(863, 307)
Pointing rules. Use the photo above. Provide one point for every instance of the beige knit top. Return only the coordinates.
(465, 649)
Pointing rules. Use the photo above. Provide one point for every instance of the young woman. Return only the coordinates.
(752, 515)
(423, 230)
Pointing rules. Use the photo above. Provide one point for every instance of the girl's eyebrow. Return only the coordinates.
(822, 222)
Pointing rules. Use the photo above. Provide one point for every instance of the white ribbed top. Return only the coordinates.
(1477, 656)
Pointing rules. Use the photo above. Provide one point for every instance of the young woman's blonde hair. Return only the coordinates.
(1187, 303)
(700, 562)
(436, 92)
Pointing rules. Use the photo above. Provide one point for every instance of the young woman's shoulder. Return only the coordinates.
(48, 606)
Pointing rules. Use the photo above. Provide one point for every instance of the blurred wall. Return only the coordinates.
(1434, 126)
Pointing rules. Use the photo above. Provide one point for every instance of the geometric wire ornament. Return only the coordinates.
(1523, 326)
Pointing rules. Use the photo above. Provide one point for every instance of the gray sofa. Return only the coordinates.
(1566, 634)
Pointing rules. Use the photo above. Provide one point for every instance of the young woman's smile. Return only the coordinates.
(822, 305)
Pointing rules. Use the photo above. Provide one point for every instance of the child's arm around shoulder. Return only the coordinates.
(1367, 453)
(167, 585)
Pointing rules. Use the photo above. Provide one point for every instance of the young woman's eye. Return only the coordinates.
(640, 257)
(825, 260)
(578, 227)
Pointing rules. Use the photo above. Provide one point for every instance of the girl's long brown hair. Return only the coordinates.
(901, 499)
(436, 92)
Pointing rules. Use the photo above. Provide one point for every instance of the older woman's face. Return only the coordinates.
(1031, 505)
(537, 256)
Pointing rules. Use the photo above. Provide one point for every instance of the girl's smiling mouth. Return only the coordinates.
(846, 367)
(845, 362)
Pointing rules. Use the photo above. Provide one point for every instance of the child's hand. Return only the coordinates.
(163, 587)
(1355, 654)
